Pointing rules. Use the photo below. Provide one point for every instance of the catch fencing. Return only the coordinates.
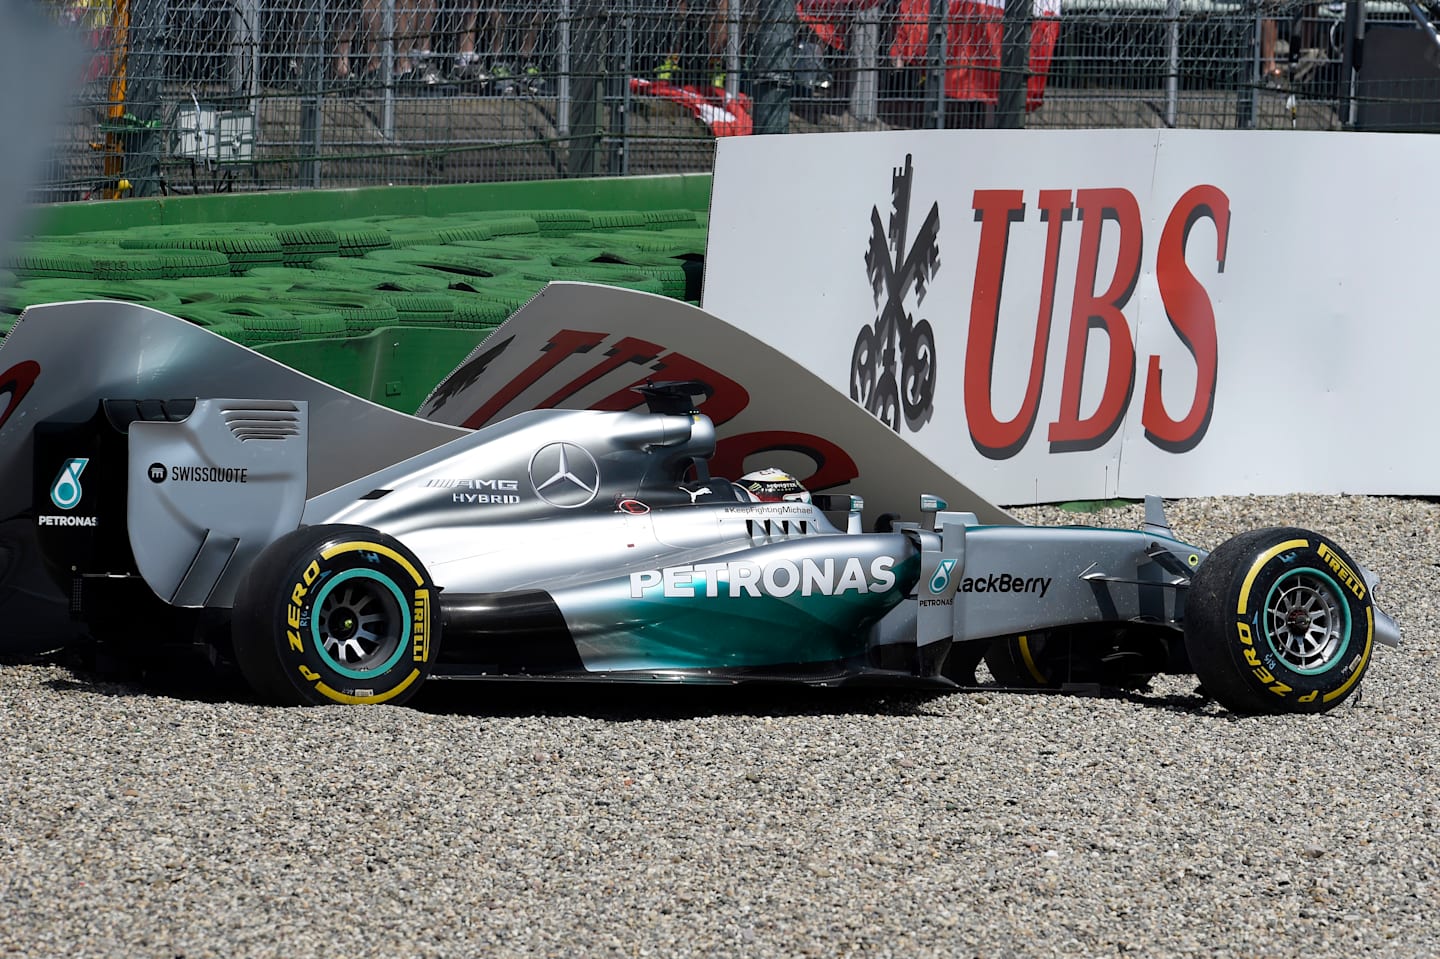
(197, 96)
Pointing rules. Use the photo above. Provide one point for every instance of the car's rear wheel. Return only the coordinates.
(335, 614)
(1279, 621)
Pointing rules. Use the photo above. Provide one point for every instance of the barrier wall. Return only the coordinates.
(1063, 315)
(685, 191)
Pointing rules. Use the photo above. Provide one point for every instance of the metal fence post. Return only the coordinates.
(774, 66)
(245, 51)
(311, 113)
(865, 97)
(732, 47)
(1172, 63)
(618, 91)
(1014, 65)
(935, 58)
(387, 69)
(145, 66)
(1245, 105)
(562, 71)
(589, 40)
(1346, 106)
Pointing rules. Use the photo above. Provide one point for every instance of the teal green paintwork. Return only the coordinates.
(730, 633)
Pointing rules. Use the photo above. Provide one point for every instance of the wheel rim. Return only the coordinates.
(1306, 622)
(361, 624)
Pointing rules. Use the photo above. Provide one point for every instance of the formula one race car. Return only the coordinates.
(187, 492)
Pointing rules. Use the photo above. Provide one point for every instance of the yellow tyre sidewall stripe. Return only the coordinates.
(387, 552)
(1024, 643)
(349, 700)
(1259, 564)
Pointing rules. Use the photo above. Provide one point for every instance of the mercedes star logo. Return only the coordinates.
(565, 475)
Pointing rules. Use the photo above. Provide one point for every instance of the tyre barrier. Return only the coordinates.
(262, 284)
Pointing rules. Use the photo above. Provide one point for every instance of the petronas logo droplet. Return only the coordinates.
(941, 579)
(65, 492)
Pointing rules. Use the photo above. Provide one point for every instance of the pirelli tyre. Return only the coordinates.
(1029, 661)
(1279, 621)
(335, 614)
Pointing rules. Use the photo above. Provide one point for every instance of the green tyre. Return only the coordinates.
(335, 614)
(1279, 621)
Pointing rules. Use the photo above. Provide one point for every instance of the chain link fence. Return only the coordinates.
(197, 96)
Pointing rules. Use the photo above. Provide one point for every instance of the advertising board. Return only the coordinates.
(1055, 315)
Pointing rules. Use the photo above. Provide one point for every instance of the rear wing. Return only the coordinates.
(62, 359)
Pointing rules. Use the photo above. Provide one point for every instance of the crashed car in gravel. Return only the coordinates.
(185, 493)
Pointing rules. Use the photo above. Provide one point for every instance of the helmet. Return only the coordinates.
(771, 485)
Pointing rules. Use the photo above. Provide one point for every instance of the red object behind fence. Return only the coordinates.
(726, 116)
(973, 39)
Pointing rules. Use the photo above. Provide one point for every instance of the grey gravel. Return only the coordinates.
(565, 822)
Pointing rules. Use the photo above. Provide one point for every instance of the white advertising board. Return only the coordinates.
(1053, 315)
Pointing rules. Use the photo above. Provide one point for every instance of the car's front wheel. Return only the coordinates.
(1279, 621)
(335, 614)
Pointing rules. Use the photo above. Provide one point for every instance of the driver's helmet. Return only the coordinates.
(771, 485)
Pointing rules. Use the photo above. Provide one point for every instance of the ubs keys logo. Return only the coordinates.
(892, 368)
(65, 492)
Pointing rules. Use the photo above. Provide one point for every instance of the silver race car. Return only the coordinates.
(188, 494)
